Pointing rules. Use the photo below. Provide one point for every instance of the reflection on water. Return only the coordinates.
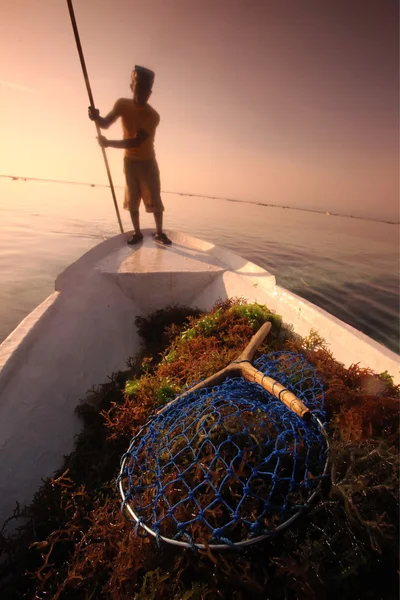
(348, 267)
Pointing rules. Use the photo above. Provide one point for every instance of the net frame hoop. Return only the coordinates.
(244, 543)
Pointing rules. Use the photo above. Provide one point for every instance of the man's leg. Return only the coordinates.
(132, 199)
(150, 189)
(158, 206)
(159, 235)
(138, 235)
(158, 218)
(135, 220)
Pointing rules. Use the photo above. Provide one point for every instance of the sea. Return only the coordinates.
(347, 266)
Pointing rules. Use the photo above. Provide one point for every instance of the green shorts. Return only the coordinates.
(142, 182)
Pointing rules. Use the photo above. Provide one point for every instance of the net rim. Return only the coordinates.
(211, 545)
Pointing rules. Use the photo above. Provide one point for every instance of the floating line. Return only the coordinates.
(193, 195)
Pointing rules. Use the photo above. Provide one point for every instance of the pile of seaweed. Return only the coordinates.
(73, 542)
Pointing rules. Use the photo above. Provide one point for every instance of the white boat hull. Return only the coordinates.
(85, 331)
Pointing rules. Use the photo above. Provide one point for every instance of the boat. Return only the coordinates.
(85, 330)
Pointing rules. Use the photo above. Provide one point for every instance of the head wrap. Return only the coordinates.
(144, 73)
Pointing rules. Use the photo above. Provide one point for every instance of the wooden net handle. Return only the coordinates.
(276, 389)
(243, 367)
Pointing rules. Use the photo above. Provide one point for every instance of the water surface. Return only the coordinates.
(349, 267)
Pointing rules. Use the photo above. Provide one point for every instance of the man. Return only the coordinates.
(139, 122)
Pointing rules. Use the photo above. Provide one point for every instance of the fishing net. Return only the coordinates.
(227, 465)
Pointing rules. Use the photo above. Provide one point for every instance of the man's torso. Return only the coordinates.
(134, 118)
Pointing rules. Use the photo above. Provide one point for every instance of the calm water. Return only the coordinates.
(347, 266)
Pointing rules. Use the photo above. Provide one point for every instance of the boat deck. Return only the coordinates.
(153, 275)
(149, 256)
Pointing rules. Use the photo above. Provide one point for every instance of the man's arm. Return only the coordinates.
(102, 122)
(134, 142)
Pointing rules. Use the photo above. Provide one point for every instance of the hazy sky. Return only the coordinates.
(290, 102)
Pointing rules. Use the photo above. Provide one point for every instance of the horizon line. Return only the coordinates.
(194, 195)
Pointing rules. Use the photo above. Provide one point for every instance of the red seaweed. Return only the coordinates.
(73, 542)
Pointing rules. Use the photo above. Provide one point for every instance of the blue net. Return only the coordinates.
(297, 375)
(229, 464)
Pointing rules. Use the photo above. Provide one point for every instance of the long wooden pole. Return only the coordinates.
(91, 100)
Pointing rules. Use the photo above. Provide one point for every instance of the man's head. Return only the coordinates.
(142, 84)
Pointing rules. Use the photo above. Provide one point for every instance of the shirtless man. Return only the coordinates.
(139, 123)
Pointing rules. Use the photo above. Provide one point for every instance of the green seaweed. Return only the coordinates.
(256, 314)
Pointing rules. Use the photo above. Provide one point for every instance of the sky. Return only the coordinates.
(286, 102)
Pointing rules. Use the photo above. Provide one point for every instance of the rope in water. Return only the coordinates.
(192, 195)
